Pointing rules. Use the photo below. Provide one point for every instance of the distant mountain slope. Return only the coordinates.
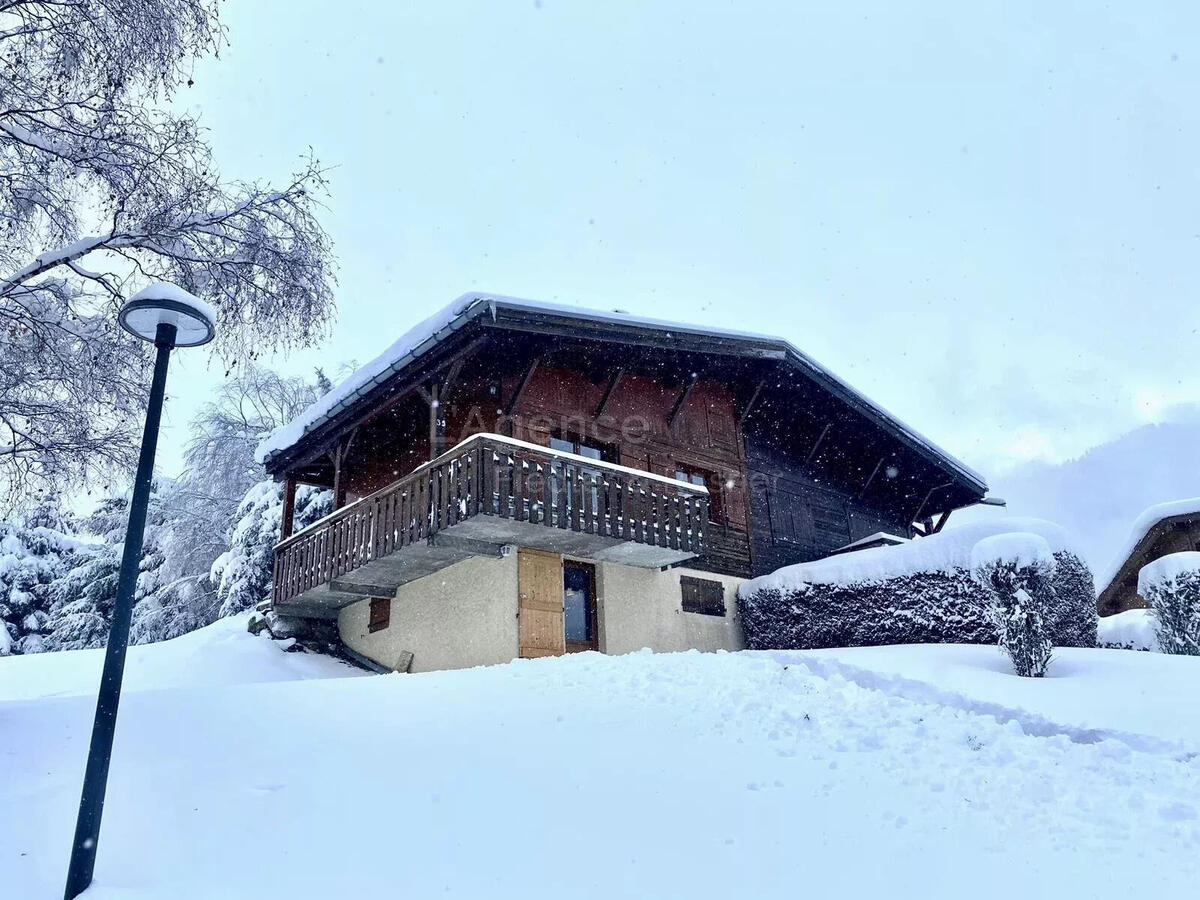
(1098, 496)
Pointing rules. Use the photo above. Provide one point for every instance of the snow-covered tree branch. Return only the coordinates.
(101, 187)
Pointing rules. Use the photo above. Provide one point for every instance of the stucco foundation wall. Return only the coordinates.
(462, 616)
(644, 608)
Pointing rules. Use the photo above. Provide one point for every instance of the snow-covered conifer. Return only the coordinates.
(1170, 586)
(1015, 571)
(243, 574)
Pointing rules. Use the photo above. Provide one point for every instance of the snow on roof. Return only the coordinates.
(423, 337)
(1141, 527)
(943, 552)
(879, 536)
(1167, 568)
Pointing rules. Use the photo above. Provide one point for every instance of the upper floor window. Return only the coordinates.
(710, 480)
(565, 442)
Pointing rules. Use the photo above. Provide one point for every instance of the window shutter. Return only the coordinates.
(702, 595)
(381, 614)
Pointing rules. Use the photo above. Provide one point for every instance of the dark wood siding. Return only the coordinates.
(793, 474)
(797, 518)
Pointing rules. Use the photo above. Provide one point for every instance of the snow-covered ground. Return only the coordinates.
(222, 653)
(895, 772)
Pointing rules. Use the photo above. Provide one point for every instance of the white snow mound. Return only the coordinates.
(1021, 548)
(1168, 568)
(1133, 629)
(943, 552)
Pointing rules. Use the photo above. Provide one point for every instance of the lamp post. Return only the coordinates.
(170, 317)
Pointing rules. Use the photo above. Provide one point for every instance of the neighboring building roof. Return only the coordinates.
(1145, 528)
(422, 338)
(878, 539)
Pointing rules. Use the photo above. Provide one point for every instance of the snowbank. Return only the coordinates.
(221, 653)
(682, 775)
(1133, 629)
(942, 552)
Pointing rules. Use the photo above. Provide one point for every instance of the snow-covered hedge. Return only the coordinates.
(1171, 587)
(919, 592)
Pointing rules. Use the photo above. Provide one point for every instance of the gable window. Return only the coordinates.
(381, 614)
(692, 475)
(702, 595)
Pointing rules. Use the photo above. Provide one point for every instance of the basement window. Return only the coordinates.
(702, 596)
(381, 614)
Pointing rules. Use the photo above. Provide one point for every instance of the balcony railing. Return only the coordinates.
(492, 476)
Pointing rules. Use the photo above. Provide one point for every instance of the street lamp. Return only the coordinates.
(170, 317)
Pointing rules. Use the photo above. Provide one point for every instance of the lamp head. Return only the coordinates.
(194, 321)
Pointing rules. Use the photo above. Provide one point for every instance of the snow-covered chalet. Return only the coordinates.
(519, 479)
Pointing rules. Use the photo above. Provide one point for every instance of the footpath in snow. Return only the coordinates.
(1148, 701)
(678, 775)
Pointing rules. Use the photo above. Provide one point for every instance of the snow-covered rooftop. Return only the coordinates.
(425, 336)
(1141, 527)
(879, 537)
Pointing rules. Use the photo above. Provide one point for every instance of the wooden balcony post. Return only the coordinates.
(287, 523)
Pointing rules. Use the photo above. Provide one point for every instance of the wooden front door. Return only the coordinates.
(540, 603)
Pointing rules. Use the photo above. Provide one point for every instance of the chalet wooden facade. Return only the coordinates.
(570, 455)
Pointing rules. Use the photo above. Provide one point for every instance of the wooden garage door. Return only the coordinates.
(540, 609)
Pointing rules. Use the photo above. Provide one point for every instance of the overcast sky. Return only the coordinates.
(986, 220)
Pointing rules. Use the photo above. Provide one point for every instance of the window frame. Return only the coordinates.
(608, 452)
(712, 481)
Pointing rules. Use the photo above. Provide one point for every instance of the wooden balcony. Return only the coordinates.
(487, 492)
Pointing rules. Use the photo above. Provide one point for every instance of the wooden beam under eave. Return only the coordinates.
(416, 385)
(749, 408)
(512, 403)
(817, 446)
(680, 402)
(609, 391)
(871, 477)
(925, 502)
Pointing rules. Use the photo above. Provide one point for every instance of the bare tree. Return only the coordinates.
(201, 505)
(101, 186)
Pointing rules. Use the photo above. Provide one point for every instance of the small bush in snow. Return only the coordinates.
(1171, 587)
(1016, 570)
